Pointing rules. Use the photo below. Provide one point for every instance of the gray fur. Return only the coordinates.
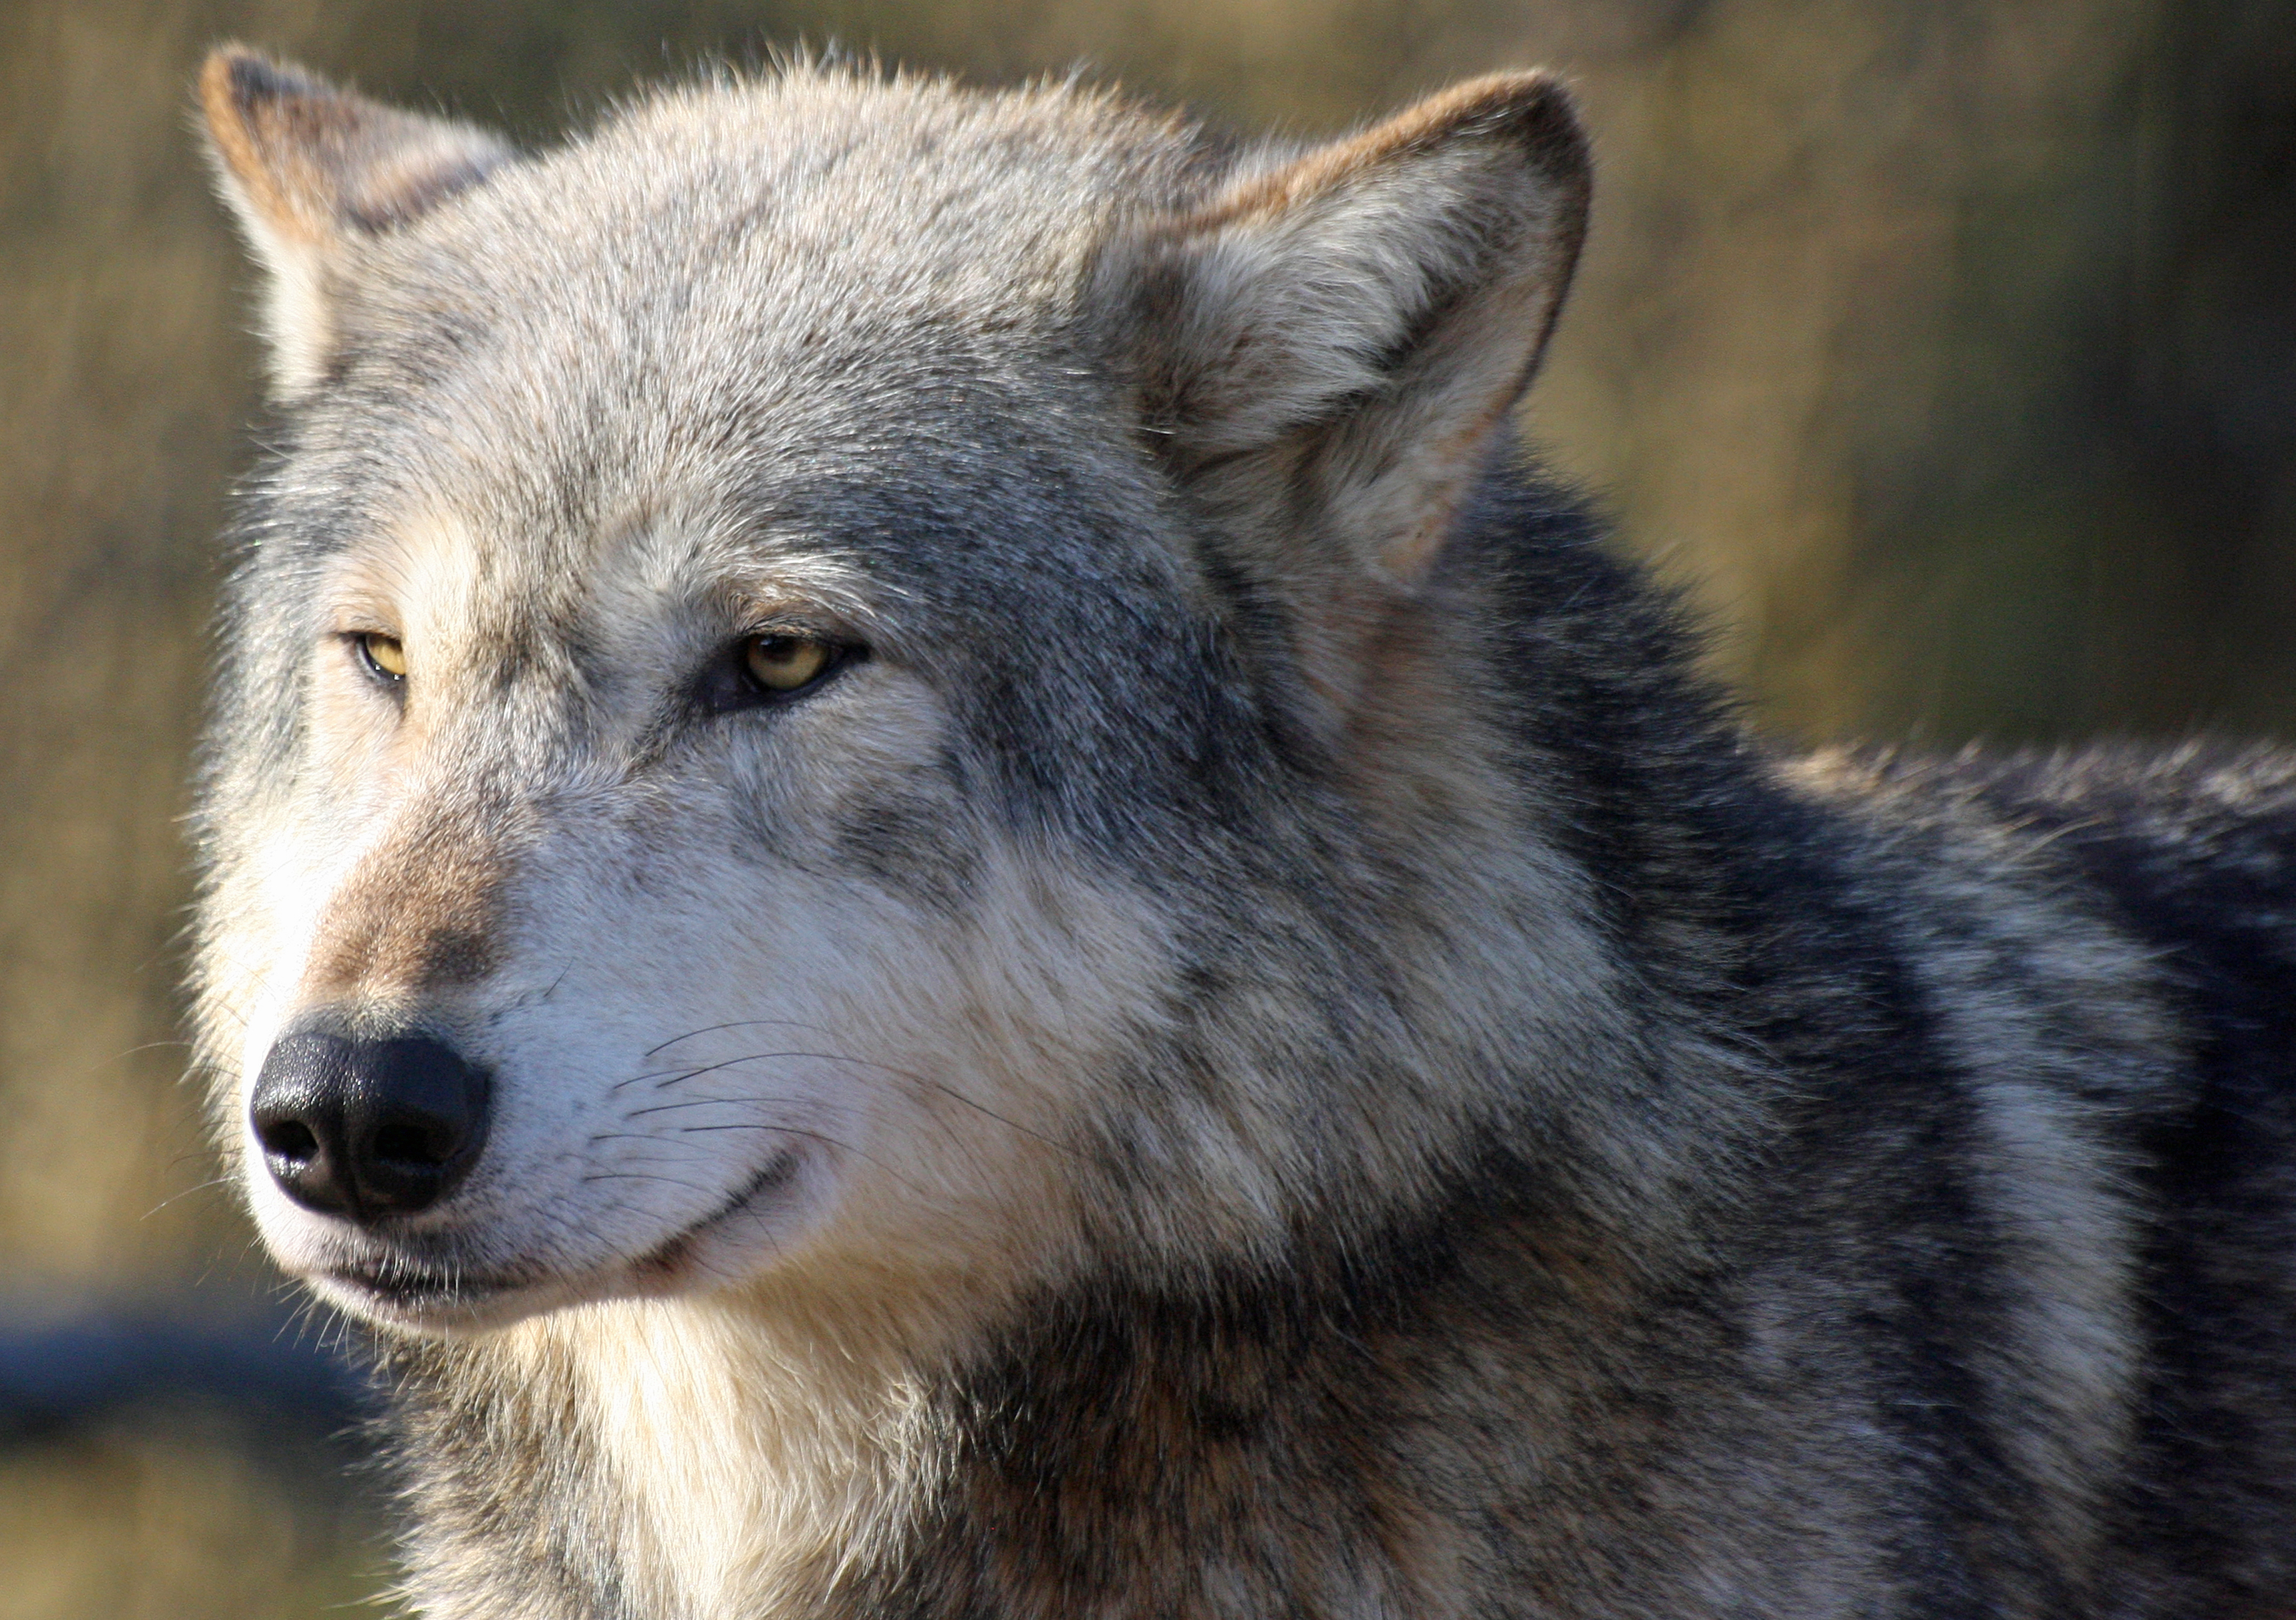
(1263, 1046)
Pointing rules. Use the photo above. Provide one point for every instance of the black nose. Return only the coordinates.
(368, 1128)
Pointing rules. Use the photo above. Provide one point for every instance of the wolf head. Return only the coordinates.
(849, 690)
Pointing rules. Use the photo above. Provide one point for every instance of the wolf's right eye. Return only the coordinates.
(772, 668)
(786, 663)
(384, 657)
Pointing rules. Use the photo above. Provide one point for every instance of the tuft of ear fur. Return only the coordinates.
(313, 173)
(1353, 326)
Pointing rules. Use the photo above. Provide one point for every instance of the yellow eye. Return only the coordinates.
(783, 663)
(384, 655)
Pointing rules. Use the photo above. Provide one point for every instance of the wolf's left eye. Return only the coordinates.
(384, 655)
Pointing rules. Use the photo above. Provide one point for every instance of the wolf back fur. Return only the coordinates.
(1261, 1043)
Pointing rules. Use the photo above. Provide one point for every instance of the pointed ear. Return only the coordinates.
(314, 173)
(1353, 326)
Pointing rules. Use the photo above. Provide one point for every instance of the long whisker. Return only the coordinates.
(738, 1024)
(679, 1077)
(187, 1192)
(639, 1175)
(708, 1102)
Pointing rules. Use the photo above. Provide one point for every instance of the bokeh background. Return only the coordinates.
(1944, 348)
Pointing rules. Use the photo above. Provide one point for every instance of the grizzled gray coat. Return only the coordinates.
(929, 867)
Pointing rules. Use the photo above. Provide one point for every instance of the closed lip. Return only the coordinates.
(775, 1174)
(401, 1284)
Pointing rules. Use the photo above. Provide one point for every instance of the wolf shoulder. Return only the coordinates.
(2190, 852)
(2118, 926)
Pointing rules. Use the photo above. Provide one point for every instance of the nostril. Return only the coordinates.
(287, 1139)
(424, 1143)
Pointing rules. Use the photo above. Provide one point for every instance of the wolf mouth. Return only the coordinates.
(669, 1259)
(398, 1282)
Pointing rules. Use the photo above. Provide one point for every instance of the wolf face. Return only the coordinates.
(797, 684)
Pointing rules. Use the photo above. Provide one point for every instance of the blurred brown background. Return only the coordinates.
(1948, 350)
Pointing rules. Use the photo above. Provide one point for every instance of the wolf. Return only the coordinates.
(933, 869)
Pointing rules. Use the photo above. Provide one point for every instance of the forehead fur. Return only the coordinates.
(735, 295)
(911, 194)
(716, 226)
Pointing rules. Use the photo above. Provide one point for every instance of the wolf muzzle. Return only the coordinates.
(368, 1128)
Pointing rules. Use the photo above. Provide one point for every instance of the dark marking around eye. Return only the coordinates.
(772, 668)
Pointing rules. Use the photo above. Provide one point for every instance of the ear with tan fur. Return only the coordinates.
(314, 173)
(1352, 327)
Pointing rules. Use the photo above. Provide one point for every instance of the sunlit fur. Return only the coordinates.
(1264, 1045)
